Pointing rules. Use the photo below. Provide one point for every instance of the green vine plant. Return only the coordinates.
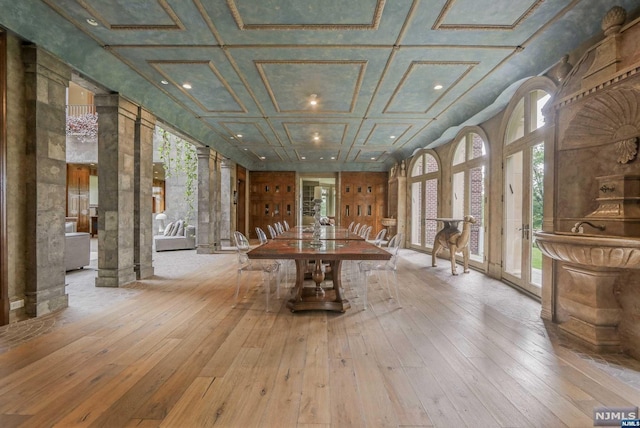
(179, 157)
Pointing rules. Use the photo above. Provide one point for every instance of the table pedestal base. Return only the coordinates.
(318, 298)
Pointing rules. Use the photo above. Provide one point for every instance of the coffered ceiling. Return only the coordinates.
(388, 76)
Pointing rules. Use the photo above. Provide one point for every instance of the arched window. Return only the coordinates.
(468, 186)
(423, 182)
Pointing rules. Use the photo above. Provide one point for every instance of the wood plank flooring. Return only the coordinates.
(461, 351)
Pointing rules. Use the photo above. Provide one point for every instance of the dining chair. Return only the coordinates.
(284, 263)
(268, 268)
(367, 267)
(365, 231)
(279, 228)
(377, 241)
(286, 225)
(356, 228)
(272, 231)
(350, 228)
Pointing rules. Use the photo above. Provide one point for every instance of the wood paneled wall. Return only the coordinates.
(363, 198)
(272, 199)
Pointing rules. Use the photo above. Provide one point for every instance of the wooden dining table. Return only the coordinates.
(326, 232)
(327, 256)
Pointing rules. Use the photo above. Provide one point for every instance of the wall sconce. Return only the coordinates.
(235, 197)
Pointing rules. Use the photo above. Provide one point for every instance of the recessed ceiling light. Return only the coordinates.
(186, 85)
(92, 22)
(262, 157)
(321, 158)
(437, 87)
(313, 99)
(239, 135)
(333, 157)
(164, 82)
(373, 158)
(316, 137)
(303, 157)
(392, 137)
(246, 150)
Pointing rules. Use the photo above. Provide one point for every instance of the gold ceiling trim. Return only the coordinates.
(375, 22)
(356, 91)
(156, 63)
(470, 65)
(345, 125)
(407, 126)
(177, 23)
(438, 25)
(226, 125)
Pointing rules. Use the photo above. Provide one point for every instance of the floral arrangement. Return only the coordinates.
(85, 126)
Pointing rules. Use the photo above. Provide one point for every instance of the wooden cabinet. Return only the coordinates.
(363, 198)
(272, 197)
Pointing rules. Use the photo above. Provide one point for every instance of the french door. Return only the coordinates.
(523, 199)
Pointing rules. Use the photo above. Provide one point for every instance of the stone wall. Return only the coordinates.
(17, 170)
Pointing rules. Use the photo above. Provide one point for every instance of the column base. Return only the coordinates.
(143, 272)
(601, 339)
(206, 249)
(115, 277)
(44, 302)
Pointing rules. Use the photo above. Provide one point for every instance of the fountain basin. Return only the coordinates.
(389, 221)
(590, 250)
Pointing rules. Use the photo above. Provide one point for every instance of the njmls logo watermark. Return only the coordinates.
(615, 416)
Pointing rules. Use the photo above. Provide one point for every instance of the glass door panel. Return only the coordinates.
(523, 196)
(416, 214)
(430, 211)
(476, 209)
(537, 205)
(513, 204)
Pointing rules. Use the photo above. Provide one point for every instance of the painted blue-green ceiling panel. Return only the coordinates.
(253, 66)
(316, 13)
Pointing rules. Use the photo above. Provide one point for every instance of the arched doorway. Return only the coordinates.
(523, 172)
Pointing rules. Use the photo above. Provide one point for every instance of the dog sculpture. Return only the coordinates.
(456, 241)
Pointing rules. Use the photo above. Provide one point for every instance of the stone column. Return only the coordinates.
(226, 186)
(143, 195)
(116, 132)
(46, 79)
(208, 235)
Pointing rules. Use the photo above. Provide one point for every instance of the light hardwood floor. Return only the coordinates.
(462, 351)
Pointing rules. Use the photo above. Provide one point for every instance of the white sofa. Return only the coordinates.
(176, 238)
(77, 251)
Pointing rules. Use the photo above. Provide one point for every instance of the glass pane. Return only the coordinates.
(477, 146)
(418, 167)
(458, 195)
(416, 213)
(430, 211)
(476, 209)
(431, 164)
(538, 100)
(461, 150)
(513, 215)
(515, 128)
(537, 205)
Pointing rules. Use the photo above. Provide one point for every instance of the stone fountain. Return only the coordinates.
(596, 261)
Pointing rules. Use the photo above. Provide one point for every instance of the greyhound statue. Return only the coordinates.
(456, 241)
